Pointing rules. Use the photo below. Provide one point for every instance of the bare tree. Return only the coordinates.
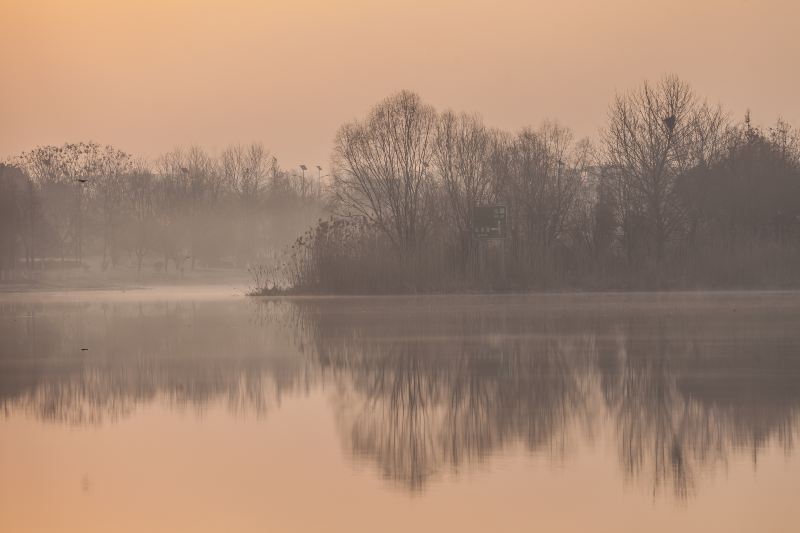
(382, 167)
(463, 157)
(245, 169)
(245, 172)
(14, 186)
(141, 194)
(45, 165)
(655, 134)
(108, 187)
(190, 186)
(542, 185)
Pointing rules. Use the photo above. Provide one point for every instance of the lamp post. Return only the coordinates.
(303, 181)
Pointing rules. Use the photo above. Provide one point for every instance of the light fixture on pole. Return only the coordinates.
(303, 180)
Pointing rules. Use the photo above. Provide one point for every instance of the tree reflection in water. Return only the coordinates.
(183, 354)
(424, 386)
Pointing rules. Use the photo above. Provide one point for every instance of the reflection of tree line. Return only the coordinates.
(684, 392)
(187, 355)
(415, 406)
(422, 387)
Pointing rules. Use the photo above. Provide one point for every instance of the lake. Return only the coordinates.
(204, 410)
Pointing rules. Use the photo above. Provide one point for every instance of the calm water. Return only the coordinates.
(207, 411)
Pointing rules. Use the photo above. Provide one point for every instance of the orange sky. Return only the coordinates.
(147, 75)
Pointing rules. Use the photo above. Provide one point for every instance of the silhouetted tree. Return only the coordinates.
(655, 134)
(14, 187)
(463, 161)
(382, 167)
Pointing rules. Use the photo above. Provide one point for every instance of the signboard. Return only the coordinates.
(489, 222)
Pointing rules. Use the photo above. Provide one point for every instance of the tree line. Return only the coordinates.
(673, 194)
(61, 205)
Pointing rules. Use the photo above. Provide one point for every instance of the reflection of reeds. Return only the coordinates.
(425, 386)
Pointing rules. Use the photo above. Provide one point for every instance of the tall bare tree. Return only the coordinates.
(542, 183)
(382, 167)
(245, 171)
(463, 159)
(14, 188)
(108, 188)
(46, 166)
(140, 194)
(654, 134)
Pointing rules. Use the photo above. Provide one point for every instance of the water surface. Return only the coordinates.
(209, 411)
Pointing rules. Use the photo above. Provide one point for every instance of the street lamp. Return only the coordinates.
(303, 181)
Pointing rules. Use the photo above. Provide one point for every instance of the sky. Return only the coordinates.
(147, 76)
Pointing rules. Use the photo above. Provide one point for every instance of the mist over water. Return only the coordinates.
(671, 391)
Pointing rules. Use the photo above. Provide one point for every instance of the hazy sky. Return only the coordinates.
(148, 75)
